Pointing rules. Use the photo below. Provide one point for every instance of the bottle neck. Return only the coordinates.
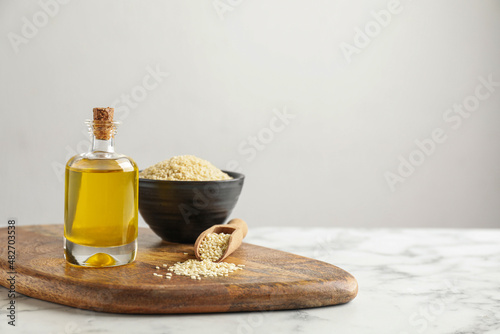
(99, 145)
(103, 135)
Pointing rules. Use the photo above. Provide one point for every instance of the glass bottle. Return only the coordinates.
(101, 200)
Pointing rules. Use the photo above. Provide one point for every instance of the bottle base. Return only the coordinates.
(87, 256)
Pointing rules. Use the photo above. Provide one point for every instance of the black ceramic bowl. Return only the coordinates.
(178, 211)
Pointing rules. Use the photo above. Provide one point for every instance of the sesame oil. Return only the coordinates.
(101, 204)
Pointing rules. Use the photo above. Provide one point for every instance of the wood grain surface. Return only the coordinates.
(271, 279)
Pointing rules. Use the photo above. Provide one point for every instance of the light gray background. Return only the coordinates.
(228, 72)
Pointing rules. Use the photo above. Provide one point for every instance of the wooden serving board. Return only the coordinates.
(271, 279)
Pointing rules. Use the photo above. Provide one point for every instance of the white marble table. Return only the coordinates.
(410, 281)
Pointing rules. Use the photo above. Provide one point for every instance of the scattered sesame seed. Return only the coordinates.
(206, 268)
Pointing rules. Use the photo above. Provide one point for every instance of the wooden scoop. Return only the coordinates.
(236, 227)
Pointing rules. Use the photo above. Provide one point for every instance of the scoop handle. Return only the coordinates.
(239, 224)
(236, 239)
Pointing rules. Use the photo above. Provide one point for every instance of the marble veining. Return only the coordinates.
(410, 281)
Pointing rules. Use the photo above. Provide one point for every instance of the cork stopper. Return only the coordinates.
(103, 123)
